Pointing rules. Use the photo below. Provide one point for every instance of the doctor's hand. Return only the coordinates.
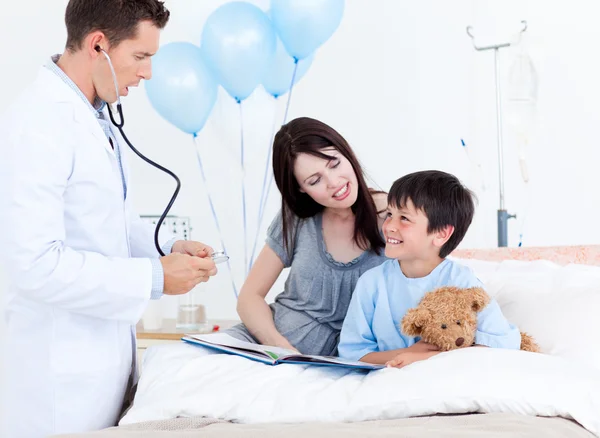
(191, 247)
(182, 272)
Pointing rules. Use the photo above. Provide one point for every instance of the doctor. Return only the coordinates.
(82, 264)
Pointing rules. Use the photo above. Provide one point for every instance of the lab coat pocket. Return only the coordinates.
(84, 345)
(97, 173)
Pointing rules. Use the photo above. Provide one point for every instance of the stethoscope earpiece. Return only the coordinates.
(114, 76)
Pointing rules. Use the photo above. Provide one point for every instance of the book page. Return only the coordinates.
(327, 359)
(229, 341)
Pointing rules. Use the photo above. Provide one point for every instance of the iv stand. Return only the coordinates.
(503, 215)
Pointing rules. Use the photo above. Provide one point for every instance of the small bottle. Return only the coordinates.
(191, 314)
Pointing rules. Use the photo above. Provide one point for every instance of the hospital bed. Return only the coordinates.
(551, 292)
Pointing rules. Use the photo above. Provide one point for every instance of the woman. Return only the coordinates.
(328, 233)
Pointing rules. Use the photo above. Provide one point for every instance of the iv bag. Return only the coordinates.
(521, 105)
(522, 95)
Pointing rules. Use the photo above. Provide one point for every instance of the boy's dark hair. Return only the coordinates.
(117, 19)
(443, 199)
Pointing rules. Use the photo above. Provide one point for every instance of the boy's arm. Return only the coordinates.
(402, 356)
(357, 338)
(493, 329)
(406, 356)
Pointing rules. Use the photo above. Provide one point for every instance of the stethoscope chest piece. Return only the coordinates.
(219, 257)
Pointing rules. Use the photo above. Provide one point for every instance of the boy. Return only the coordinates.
(429, 213)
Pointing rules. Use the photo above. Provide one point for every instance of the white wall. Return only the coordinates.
(402, 82)
(3, 398)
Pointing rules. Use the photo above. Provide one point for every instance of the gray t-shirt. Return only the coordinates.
(311, 309)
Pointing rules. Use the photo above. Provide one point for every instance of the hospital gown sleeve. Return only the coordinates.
(357, 338)
(40, 266)
(493, 329)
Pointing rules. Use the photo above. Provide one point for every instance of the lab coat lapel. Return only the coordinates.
(123, 148)
(62, 93)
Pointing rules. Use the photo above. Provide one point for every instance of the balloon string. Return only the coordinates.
(213, 211)
(287, 107)
(243, 188)
(264, 197)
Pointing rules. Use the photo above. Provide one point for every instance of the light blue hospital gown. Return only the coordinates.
(310, 311)
(384, 294)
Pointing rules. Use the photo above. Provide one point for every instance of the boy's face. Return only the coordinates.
(406, 236)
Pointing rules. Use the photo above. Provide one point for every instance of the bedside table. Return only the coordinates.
(169, 333)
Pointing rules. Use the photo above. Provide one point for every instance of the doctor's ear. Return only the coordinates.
(97, 42)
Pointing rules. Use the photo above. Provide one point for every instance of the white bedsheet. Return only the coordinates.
(186, 380)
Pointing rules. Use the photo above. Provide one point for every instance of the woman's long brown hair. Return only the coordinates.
(309, 136)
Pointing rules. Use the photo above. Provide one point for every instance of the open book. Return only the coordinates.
(271, 355)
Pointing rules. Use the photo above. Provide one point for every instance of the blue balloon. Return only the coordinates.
(238, 40)
(278, 77)
(182, 88)
(304, 25)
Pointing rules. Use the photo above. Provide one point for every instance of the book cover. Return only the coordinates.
(271, 355)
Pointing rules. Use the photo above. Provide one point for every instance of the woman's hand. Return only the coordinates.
(285, 344)
(254, 311)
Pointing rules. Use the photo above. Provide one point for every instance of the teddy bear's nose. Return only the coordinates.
(460, 341)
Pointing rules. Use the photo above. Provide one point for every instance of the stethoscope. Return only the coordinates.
(217, 256)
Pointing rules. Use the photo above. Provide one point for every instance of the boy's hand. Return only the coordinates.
(407, 357)
(422, 347)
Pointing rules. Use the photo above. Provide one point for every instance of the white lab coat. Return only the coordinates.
(78, 262)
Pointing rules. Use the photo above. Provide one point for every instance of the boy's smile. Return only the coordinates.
(408, 240)
(405, 231)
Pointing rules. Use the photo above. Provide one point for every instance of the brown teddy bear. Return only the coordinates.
(447, 318)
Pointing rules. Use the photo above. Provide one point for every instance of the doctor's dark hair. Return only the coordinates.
(117, 19)
(309, 136)
(442, 198)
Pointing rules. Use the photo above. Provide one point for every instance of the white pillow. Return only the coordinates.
(482, 268)
(558, 305)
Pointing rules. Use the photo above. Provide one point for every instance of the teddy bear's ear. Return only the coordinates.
(414, 320)
(479, 298)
